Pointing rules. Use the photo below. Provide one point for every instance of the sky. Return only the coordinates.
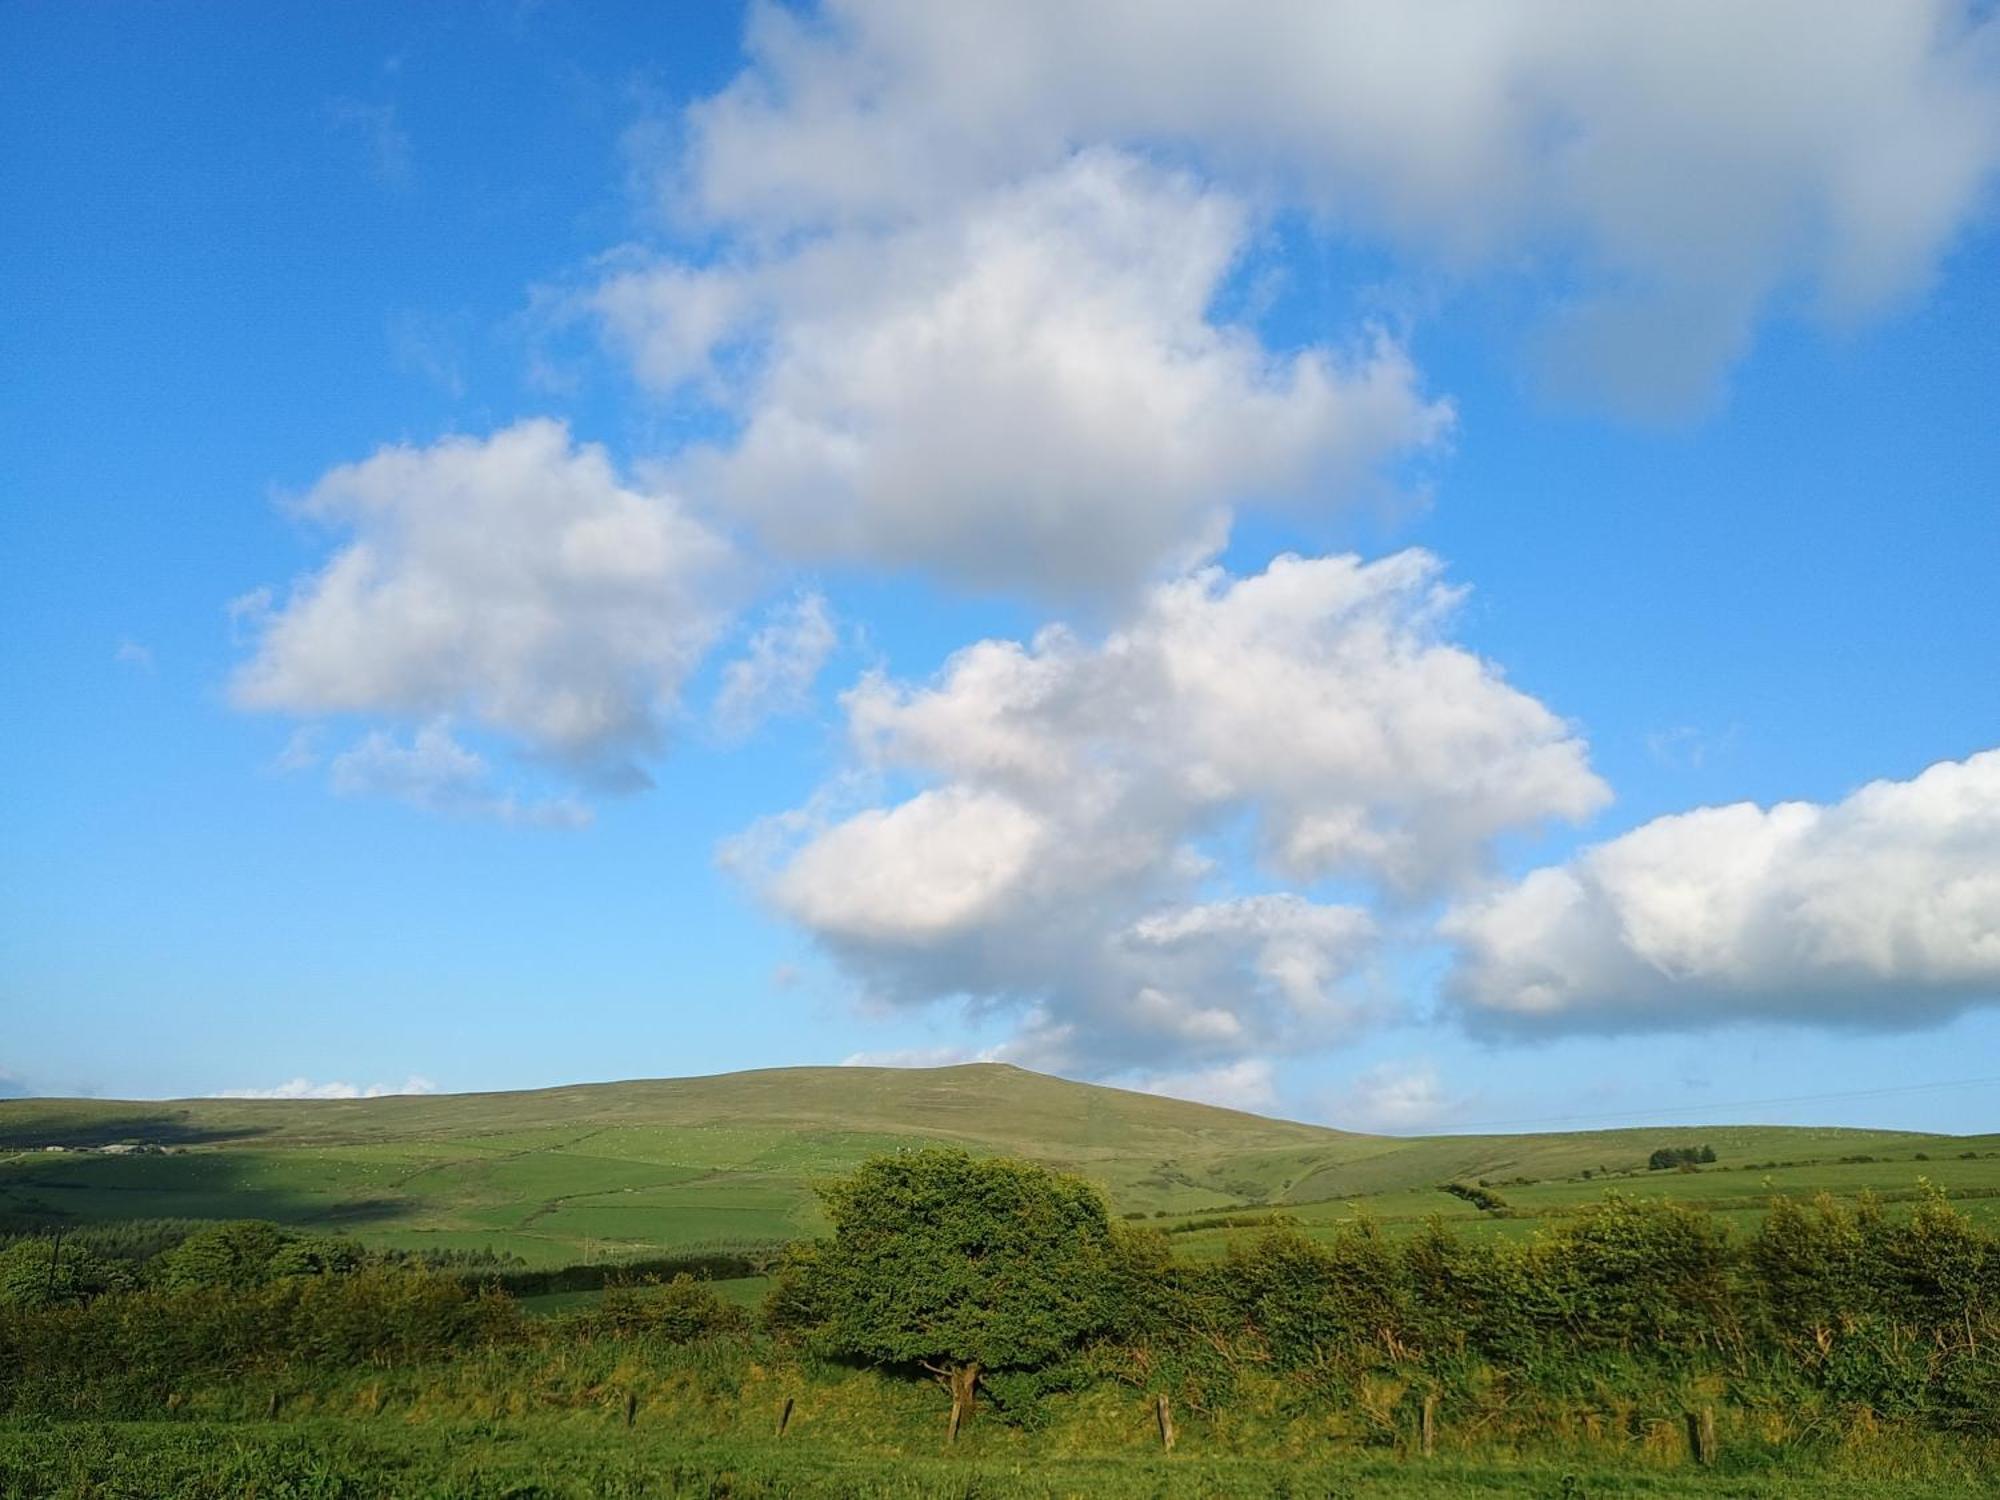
(1432, 568)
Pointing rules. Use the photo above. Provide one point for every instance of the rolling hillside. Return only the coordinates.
(611, 1170)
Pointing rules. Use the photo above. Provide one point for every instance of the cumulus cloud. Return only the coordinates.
(1837, 147)
(1050, 859)
(1025, 390)
(775, 675)
(1249, 1083)
(1393, 1098)
(435, 772)
(514, 581)
(1880, 910)
(305, 1088)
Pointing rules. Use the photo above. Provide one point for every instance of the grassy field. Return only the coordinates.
(610, 1171)
(471, 1461)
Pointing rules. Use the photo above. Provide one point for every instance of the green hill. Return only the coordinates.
(619, 1169)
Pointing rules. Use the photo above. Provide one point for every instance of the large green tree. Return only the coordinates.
(960, 1264)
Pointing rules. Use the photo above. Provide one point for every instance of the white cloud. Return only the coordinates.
(435, 772)
(1053, 865)
(1836, 146)
(131, 653)
(1248, 1084)
(776, 674)
(1880, 910)
(914, 1057)
(1393, 1098)
(1025, 390)
(514, 582)
(305, 1088)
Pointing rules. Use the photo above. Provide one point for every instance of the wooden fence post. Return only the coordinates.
(784, 1416)
(1701, 1434)
(1430, 1423)
(1163, 1412)
(631, 1406)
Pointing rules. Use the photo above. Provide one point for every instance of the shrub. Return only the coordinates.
(251, 1253)
(678, 1311)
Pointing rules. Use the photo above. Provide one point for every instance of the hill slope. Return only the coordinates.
(631, 1168)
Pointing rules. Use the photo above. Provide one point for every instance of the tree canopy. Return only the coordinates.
(959, 1264)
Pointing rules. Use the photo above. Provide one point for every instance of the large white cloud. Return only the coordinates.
(514, 581)
(1687, 162)
(1881, 910)
(1022, 390)
(1054, 858)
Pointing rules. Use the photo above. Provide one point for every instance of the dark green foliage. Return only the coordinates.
(1482, 1198)
(123, 1351)
(1311, 1299)
(251, 1253)
(120, 1239)
(48, 1272)
(678, 1311)
(1668, 1157)
(941, 1258)
(507, 1274)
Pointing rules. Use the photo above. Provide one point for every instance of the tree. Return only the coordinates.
(251, 1252)
(959, 1265)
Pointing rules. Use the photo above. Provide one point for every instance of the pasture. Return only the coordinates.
(620, 1171)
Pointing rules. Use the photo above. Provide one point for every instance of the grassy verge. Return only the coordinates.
(324, 1460)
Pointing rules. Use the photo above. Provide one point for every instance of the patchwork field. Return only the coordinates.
(613, 1171)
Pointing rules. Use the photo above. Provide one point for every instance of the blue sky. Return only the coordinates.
(627, 412)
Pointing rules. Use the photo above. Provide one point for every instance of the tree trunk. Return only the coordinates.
(963, 1379)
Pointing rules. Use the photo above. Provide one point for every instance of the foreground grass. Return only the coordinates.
(330, 1460)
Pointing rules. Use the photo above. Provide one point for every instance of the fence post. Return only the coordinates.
(784, 1416)
(1163, 1412)
(1701, 1434)
(631, 1406)
(1430, 1423)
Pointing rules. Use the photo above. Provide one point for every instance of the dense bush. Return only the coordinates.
(47, 1273)
(678, 1311)
(1005, 1276)
(251, 1253)
(122, 1350)
(1686, 1156)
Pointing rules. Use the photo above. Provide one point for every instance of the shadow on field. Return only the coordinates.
(80, 1188)
(23, 1131)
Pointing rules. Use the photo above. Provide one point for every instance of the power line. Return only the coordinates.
(1694, 1109)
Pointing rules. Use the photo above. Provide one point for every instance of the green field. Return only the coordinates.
(624, 1170)
(330, 1460)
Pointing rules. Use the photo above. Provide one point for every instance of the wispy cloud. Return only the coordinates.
(305, 1088)
(776, 673)
(377, 130)
(435, 772)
